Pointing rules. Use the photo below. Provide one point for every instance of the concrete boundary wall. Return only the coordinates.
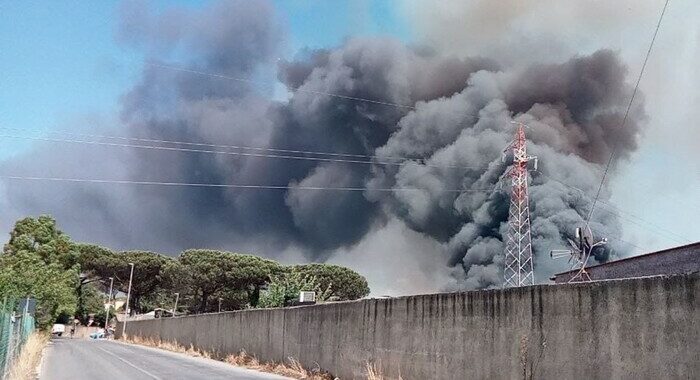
(643, 328)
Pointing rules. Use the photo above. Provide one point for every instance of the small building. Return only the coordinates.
(676, 260)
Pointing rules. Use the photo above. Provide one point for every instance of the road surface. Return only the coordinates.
(77, 359)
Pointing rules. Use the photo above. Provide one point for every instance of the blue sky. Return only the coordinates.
(52, 58)
(61, 60)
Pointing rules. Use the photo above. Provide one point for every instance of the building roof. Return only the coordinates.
(688, 249)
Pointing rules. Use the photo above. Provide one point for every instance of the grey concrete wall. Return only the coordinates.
(622, 329)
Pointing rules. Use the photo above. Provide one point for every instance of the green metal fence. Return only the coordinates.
(15, 327)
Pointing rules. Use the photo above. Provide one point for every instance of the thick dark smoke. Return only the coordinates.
(453, 132)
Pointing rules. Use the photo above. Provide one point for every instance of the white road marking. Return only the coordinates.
(131, 364)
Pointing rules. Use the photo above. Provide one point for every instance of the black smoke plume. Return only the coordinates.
(450, 121)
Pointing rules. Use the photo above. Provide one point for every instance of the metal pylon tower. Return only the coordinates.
(518, 269)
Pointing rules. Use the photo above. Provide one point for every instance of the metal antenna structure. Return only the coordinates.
(579, 254)
(518, 269)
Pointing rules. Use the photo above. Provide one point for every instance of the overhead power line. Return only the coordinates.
(624, 119)
(684, 203)
(223, 146)
(244, 154)
(651, 226)
(294, 89)
(239, 186)
(618, 212)
(236, 186)
(620, 240)
(202, 144)
(276, 150)
(654, 229)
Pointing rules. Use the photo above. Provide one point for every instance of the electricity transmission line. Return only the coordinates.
(607, 206)
(245, 154)
(307, 158)
(294, 89)
(377, 158)
(620, 240)
(652, 229)
(202, 144)
(618, 211)
(237, 186)
(624, 119)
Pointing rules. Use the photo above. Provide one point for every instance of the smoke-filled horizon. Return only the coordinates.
(453, 135)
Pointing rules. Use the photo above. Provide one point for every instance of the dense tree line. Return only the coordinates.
(72, 279)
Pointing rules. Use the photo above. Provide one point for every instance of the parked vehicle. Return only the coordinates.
(99, 334)
(58, 329)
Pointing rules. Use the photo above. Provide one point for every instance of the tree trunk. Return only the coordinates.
(253, 296)
(80, 310)
(203, 304)
(135, 304)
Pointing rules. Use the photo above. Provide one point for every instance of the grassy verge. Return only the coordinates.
(292, 368)
(24, 367)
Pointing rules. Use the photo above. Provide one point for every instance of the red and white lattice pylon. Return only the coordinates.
(519, 269)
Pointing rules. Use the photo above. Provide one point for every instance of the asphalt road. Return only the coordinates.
(76, 359)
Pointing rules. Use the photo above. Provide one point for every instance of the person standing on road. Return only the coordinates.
(72, 328)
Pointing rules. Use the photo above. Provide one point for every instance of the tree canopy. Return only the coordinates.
(149, 273)
(71, 279)
(40, 261)
(41, 236)
(285, 288)
(208, 273)
(344, 283)
(26, 275)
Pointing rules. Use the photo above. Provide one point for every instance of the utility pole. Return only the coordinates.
(518, 270)
(109, 302)
(177, 297)
(128, 297)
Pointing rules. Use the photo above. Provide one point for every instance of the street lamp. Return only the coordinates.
(128, 296)
(177, 297)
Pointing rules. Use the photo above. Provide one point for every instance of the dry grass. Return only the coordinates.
(292, 368)
(24, 367)
(374, 373)
(169, 346)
